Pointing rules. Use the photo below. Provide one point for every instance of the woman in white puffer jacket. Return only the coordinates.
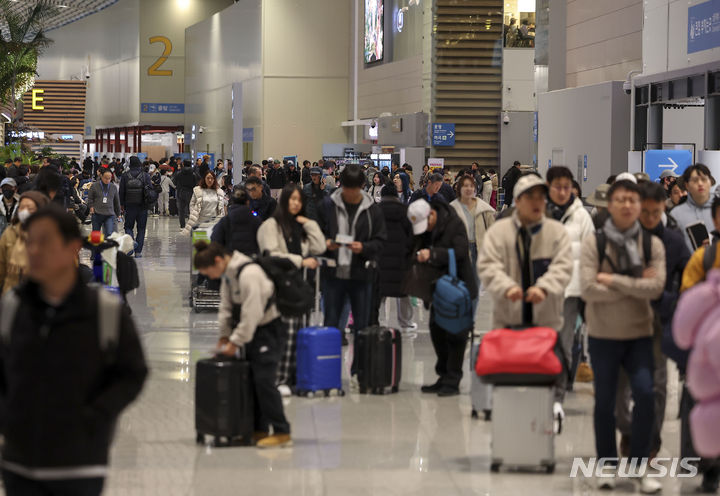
(207, 203)
(564, 207)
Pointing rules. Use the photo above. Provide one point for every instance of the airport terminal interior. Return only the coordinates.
(359, 247)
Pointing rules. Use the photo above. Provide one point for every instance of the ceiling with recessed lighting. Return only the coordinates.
(67, 10)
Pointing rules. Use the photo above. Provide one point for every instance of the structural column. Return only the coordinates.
(712, 123)
(655, 126)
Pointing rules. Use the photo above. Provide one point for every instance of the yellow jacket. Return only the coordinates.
(694, 271)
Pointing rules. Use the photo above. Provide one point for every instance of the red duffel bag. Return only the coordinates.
(520, 356)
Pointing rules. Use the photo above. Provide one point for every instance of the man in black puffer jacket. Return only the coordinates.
(184, 182)
(394, 259)
(237, 231)
(437, 228)
(70, 362)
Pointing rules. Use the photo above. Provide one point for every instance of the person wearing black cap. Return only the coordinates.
(314, 192)
(135, 201)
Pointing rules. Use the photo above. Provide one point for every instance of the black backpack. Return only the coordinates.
(134, 189)
(294, 297)
(127, 273)
(601, 240)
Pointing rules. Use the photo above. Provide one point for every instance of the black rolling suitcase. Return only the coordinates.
(378, 351)
(172, 206)
(224, 401)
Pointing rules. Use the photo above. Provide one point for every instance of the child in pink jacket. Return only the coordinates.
(696, 325)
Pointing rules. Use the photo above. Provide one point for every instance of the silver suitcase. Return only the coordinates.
(522, 427)
(480, 393)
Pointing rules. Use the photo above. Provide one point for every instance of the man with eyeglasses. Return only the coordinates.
(622, 270)
(565, 207)
(698, 207)
(262, 204)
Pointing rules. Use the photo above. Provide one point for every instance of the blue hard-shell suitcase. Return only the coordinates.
(319, 361)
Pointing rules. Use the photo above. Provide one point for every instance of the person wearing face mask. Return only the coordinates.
(289, 234)
(13, 255)
(9, 202)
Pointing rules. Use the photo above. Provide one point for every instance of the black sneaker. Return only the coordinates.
(446, 391)
(431, 388)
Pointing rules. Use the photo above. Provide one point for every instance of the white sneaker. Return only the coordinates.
(558, 417)
(411, 327)
(648, 485)
(606, 483)
(284, 390)
(354, 384)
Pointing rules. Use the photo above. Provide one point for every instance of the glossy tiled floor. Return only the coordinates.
(406, 443)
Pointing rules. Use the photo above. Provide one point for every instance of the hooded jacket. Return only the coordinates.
(696, 326)
(483, 214)
(206, 204)
(689, 213)
(551, 263)
(270, 238)
(369, 230)
(579, 225)
(237, 231)
(449, 232)
(184, 180)
(60, 392)
(394, 258)
(252, 290)
(134, 171)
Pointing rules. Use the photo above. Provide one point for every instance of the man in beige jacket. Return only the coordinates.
(526, 264)
(527, 290)
(622, 270)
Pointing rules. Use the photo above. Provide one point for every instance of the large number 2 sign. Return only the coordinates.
(154, 70)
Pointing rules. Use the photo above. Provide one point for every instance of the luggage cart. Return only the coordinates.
(204, 295)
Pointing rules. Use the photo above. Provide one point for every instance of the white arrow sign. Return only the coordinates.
(671, 166)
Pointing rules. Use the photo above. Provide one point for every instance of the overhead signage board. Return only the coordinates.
(703, 26)
(443, 134)
(657, 161)
(436, 163)
(162, 108)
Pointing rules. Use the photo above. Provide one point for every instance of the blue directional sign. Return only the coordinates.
(443, 134)
(703, 26)
(162, 108)
(657, 161)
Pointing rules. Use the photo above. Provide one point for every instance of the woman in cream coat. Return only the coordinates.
(476, 214)
(289, 234)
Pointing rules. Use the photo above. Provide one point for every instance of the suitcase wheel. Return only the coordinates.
(395, 389)
(488, 415)
(474, 414)
(495, 467)
(549, 469)
(341, 392)
(200, 438)
(219, 443)
(310, 394)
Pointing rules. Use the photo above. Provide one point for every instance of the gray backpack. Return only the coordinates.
(109, 306)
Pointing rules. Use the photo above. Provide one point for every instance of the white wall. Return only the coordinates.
(684, 126)
(220, 51)
(305, 75)
(518, 79)
(589, 120)
(604, 40)
(665, 33)
(109, 42)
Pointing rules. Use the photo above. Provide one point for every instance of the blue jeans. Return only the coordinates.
(139, 214)
(107, 222)
(360, 294)
(636, 357)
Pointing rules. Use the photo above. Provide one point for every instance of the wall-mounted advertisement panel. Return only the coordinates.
(703, 26)
(374, 31)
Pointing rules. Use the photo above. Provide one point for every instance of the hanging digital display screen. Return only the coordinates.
(374, 31)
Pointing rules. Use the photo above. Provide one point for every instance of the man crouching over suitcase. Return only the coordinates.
(250, 322)
(526, 263)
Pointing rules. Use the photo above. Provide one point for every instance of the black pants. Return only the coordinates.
(450, 352)
(182, 200)
(264, 353)
(20, 486)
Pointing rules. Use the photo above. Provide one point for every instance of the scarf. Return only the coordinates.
(626, 246)
(558, 211)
